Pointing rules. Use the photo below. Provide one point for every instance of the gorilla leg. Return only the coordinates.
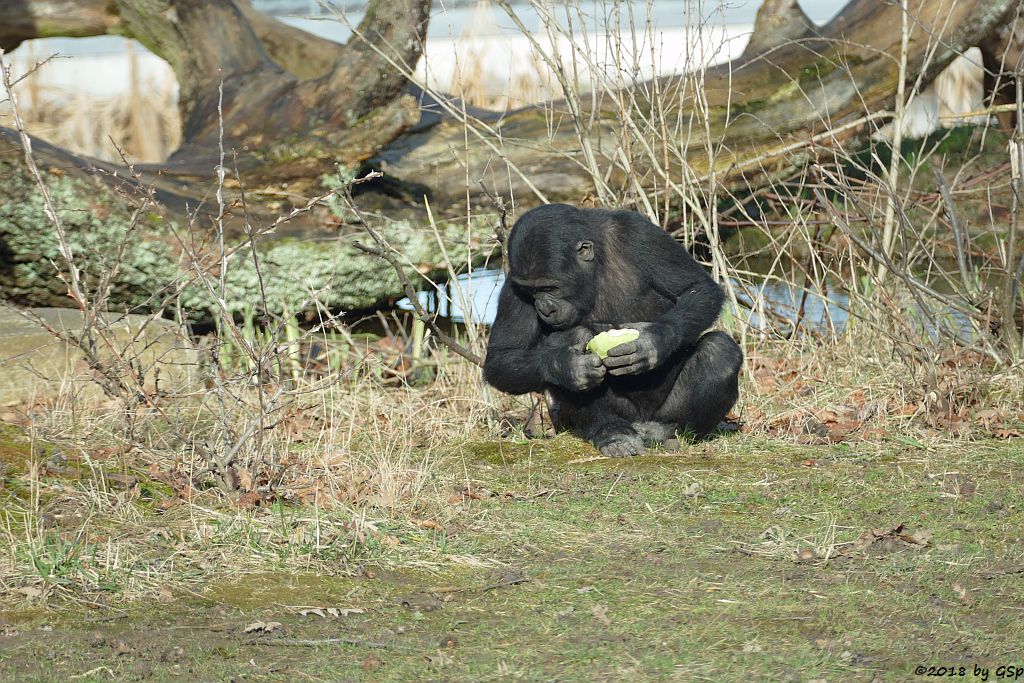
(655, 432)
(616, 439)
(600, 417)
(707, 386)
(618, 422)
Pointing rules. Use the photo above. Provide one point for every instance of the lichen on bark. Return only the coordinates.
(297, 273)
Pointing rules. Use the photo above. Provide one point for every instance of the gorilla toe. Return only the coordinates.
(620, 445)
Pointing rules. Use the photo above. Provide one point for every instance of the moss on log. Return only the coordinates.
(296, 271)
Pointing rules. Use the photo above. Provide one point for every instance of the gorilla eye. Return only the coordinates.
(585, 250)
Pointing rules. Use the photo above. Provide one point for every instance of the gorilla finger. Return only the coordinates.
(622, 349)
(631, 369)
(619, 361)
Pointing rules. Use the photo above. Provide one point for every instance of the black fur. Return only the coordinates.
(575, 272)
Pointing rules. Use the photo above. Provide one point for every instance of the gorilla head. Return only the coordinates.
(554, 260)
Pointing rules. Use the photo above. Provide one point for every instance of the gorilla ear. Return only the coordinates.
(585, 250)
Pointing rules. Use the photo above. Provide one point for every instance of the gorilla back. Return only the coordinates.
(576, 272)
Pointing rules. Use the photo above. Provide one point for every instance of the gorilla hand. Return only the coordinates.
(571, 369)
(647, 352)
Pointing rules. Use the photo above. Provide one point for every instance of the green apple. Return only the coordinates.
(606, 341)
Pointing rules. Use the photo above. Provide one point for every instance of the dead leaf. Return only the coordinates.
(344, 611)
(245, 479)
(262, 627)
(840, 429)
(428, 524)
(1002, 570)
(806, 555)
(921, 537)
(880, 541)
(693, 490)
(249, 501)
(421, 602)
(600, 613)
(873, 434)
(440, 660)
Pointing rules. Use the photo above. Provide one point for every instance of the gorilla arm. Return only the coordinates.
(520, 359)
(670, 270)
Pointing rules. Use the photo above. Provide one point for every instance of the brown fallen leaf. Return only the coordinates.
(245, 482)
(921, 538)
(872, 434)
(840, 429)
(336, 612)
(262, 627)
(806, 555)
(1002, 570)
(600, 613)
(692, 490)
(886, 540)
(249, 501)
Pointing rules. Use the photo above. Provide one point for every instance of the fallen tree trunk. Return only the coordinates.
(163, 262)
(751, 121)
(289, 107)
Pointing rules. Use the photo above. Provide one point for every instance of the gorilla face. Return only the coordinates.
(551, 301)
(562, 290)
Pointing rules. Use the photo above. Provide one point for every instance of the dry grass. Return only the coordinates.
(96, 497)
(143, 120)
(362, 470)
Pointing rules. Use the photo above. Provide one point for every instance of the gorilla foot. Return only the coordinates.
(620, 444)
(655, 432)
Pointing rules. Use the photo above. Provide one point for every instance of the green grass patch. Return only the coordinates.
(733, 559)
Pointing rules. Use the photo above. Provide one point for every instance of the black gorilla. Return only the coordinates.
(575, 272)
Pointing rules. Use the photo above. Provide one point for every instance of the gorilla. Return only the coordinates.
(576, 272)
